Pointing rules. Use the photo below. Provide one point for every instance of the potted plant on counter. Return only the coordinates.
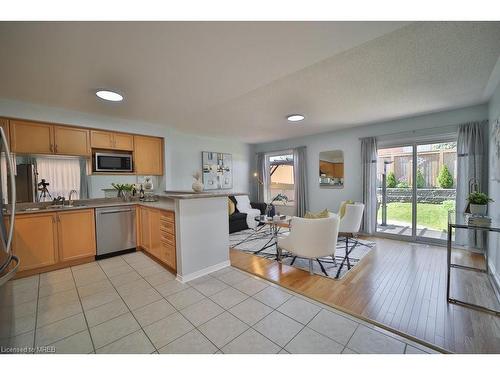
(478, 203)
(124, 191)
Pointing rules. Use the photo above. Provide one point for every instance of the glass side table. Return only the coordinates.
(453, 225)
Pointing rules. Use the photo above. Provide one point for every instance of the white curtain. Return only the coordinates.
(472, 164)
(300, 180)
(63, 175)
(369, 183)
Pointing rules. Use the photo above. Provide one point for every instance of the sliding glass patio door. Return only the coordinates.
(416, 189)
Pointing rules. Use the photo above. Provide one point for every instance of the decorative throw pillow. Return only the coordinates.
(243, 203)
(343, 207)
(320, 215)
(231, 208)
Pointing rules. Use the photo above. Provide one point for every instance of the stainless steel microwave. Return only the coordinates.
(107, 162)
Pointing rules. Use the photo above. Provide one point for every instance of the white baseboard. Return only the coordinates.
(202, 272)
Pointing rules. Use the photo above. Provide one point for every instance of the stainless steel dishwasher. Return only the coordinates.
(115, 230)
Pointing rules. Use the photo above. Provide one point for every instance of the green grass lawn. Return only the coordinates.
(432, 216)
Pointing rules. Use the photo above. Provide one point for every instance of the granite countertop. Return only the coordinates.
(163, 203)
(192, 195)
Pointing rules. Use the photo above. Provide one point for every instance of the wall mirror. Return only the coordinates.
(331, 169)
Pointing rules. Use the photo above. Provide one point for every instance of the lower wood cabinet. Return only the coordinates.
(157, 234)
(35, 240)
(76, 234)
(48, 239)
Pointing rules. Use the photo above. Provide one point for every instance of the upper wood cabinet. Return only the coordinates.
(35, 240)
(71, 141)
(76, 234)
(148, 155)
(39, 138)
(124, 141)
(31, 137)
(4, 124)
(112, 141)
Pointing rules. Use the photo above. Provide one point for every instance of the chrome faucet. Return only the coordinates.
(70, 197)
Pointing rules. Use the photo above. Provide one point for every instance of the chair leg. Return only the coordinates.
(311, 267)
(293, 260)
(334, 260)
(322, 268)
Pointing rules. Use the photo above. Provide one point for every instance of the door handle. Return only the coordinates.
(114, 212)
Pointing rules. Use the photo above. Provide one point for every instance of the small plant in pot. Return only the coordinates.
(478, 203)
(124, 191)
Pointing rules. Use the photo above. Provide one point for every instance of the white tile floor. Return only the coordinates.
(130, 304)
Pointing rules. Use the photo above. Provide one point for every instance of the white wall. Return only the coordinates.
(348, 141)
(182, 150)
(494, 192)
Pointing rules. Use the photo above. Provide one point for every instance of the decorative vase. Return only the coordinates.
(271, 210)
(126, 195)
(478, 209)
(197, 186)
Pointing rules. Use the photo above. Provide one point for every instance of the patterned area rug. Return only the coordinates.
(260, 242)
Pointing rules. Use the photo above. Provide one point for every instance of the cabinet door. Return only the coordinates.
(35, 240)
(76, 234)
(4, 124)
(148, 155)
(31, 137)
(100, 139)
(154, 217)
(71, 141)
(144, 229)
(123, 142)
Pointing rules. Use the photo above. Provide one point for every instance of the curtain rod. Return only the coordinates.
(421, 130)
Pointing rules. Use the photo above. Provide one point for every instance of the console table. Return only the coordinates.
(451, 226)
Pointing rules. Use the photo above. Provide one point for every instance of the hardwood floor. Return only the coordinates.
(401, 286)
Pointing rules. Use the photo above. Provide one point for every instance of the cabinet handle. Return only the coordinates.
(51, 148)
(55, 148)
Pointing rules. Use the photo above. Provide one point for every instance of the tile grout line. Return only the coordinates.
(83, 310)
(36, 314)
(130, 311)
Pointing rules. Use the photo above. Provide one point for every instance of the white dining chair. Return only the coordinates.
(350, 224)
(311, 239)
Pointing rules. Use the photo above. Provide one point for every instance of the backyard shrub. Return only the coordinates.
(445, 179)
(448, 205)
(402, 185)
(391, 180)
(420, 179)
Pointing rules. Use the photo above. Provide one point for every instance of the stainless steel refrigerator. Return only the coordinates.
(9, 263)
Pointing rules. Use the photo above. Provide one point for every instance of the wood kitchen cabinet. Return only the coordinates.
(39, 138)
(31, 137)
(157, 234)
(35, 240)
(48, 241)
(76, 234)
(148, 155)
(144, 234)
(111, 140)
(4, 124)
(71, 141)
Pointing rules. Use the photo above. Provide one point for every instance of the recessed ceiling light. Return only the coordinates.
(109, 95)
(295, 118)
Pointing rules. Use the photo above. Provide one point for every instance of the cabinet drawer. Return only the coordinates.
(167, 238)
(168, 255)
(167, 227)
(168, 216)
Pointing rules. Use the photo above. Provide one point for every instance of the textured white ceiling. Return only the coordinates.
(241, 79)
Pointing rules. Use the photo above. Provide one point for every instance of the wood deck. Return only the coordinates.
(401, 286)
